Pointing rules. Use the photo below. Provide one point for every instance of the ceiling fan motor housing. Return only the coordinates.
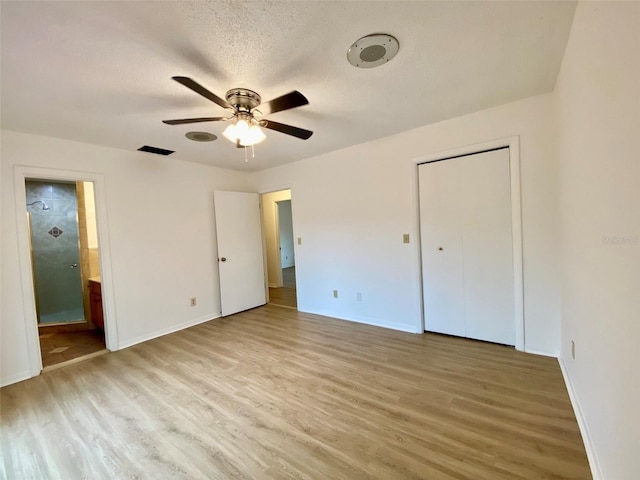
(243, 99)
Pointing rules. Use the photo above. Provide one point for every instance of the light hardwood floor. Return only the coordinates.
(273, 393)
(285, 296)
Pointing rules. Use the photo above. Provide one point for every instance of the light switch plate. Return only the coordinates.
(405, 238)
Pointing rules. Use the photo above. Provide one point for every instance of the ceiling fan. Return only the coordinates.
(247, 119)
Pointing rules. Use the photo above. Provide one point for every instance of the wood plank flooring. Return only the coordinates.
(272, 393)
(285, 296)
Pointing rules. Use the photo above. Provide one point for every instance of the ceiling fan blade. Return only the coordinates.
(195, 120)
(288, 129)
(285, 102)
(196, 87)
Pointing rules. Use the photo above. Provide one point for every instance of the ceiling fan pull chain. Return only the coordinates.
(253, 151)
(246, 160)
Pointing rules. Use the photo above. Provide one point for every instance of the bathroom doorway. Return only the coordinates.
(280, 248)
(65, 261)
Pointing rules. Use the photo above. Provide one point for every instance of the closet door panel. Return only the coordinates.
(488, 247)
(441, 243)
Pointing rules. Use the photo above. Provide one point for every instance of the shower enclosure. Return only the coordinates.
(52, 208)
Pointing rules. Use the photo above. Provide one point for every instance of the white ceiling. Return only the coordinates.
(100, 72)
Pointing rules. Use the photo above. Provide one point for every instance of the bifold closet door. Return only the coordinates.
(467, 247)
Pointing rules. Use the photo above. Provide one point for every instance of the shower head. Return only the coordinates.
(44, 205)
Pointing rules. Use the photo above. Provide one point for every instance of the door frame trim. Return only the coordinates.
(21, 173)
(513, 143)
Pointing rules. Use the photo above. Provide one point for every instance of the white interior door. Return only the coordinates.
(240, 257)
(467, 246)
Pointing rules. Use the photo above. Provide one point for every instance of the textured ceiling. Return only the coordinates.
(100, 72)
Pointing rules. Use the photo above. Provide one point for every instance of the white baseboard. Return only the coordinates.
(544, 354)
(166, 331)
(402, 327)
(596, 471)
(18, 377)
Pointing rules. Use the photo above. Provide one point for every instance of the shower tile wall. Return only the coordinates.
(58, 285)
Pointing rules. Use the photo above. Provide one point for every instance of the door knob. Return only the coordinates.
(440, 248)
(73, 265)
(223, 259)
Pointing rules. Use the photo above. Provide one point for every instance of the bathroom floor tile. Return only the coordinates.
(58, 350)
(60, 347)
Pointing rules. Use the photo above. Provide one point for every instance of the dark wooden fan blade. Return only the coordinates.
(196, 87)
(194, 120)
(288, 129)
(285, 102)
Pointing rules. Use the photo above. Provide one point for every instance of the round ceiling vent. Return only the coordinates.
(201, 136)
(372, 50)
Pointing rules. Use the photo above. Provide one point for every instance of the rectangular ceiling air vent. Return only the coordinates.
(159, 151)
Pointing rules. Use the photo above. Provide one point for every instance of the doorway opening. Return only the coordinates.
(277, 221)
(65, 260)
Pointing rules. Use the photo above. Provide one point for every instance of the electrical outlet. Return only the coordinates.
(193, 301)
(358, 297)
(573, 349)
(335, 294)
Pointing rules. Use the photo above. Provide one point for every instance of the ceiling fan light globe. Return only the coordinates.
(254, 135)
(242, 128)
(230, 133)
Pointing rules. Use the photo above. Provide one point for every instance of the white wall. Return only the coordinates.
(161, 233)
(274, 273)
(352, 206)
(598, 100)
